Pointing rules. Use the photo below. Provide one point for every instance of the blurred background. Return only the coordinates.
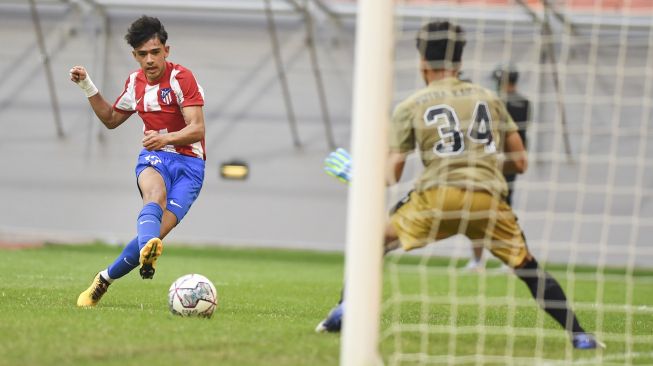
(277, 77)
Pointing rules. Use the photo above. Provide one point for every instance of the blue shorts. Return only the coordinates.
(183, 176)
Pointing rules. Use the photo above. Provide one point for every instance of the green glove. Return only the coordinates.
(338, 165)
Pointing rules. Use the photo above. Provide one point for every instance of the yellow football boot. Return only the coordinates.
(93, 293)
(149, 254)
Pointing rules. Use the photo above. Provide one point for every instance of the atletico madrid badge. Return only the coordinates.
(166, 97)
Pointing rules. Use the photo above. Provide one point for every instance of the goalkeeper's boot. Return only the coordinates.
(93, 293)
(149, 254)
(586, 341)
(333, 322)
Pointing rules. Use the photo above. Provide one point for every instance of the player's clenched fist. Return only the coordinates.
(77, 73)
(79, 76)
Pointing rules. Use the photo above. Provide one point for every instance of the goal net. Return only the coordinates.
(585, 204)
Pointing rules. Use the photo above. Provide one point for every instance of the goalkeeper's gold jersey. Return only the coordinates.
(458, 129)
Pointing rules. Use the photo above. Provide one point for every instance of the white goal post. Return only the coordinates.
(366, 207)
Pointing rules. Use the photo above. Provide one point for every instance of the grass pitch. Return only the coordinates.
(269, 304)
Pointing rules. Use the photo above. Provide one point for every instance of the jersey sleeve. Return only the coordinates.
(401, 132)
(188, 91)
(126, 102)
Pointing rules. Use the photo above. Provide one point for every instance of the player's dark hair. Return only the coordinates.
(143, 29)
(441, 44)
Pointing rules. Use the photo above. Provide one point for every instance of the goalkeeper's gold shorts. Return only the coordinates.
(442, 212)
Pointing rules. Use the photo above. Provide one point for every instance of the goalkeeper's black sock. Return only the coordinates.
(549, 295)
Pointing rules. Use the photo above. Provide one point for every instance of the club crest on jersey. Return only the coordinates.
(166, 97)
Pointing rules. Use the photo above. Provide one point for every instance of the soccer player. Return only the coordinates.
(170, 168)
(518, 107)
(459, 130)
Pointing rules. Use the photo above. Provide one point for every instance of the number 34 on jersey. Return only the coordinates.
(452, 142)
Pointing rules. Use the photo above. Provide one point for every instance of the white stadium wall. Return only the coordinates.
(81, 187)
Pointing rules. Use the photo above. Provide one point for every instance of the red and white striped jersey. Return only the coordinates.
(159, 105)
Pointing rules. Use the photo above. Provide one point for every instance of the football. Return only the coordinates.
(192, 295)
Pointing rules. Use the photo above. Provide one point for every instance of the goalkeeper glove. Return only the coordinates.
(338, 165)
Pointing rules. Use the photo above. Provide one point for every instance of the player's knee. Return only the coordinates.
(528, 262)
(152, 187)
(527, 271)
(155, 196)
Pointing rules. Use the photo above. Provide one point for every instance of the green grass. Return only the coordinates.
(270, 301)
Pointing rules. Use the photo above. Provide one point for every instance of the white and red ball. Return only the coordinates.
(192, 295)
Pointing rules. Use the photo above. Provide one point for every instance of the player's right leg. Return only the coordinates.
(407, 222)
(172, 183)
(333, 322)
(149, 254)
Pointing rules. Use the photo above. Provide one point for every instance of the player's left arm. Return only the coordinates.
(192, 133)
(402, 141)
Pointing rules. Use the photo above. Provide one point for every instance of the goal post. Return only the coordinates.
(366, 217)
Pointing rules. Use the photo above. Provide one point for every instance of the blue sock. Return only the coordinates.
(148, 225)
(126, 261)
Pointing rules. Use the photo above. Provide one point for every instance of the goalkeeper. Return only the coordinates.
(466, 140)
